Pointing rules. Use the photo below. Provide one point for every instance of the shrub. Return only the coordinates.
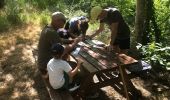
(157, 54)
(4, 24)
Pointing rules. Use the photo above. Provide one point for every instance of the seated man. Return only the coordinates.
(77, 26)
(49, 37)
(60, 72)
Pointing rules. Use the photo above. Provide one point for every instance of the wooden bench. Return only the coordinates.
(54, 94)
(98, 62)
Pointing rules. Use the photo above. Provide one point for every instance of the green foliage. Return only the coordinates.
(157, 54)
(44, 18)
(13, 12)
(16, 12)
(163, 18)
(4, 24)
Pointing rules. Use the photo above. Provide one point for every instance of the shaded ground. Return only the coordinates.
(19, 78)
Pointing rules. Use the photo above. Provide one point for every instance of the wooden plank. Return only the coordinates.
(92, 60)
(86, 64)
(102, 58)
(124, 59)
(106, 58)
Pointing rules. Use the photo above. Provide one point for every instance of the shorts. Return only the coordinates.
(66, 83)
(123, 43)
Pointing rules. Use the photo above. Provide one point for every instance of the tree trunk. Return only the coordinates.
(140, 20)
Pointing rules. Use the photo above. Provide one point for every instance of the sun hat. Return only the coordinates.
(95, 12)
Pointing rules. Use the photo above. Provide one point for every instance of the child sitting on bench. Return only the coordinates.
(60, 72)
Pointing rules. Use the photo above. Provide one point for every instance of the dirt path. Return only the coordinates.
(18, 78)
(18, 73)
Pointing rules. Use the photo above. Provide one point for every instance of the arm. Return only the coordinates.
(113, 28)
(74, 71)
(101, 28)
(71, 34)
(70, 47)
(66, 41)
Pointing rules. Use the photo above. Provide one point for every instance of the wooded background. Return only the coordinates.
(149, 21)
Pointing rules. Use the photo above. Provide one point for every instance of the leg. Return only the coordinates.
(124, 45)
(66, 84)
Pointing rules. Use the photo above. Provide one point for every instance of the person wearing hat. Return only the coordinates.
(77, 26)
(48, 37)
(120, 32)
(61, 74)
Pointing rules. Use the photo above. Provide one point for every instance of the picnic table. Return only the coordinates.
(106, 66)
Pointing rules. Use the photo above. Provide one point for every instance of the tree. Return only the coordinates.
(139, 20)
(145, 22)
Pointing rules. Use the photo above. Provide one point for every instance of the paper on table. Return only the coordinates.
(98, 43)
(76, 51)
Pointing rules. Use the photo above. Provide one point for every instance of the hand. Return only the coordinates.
(82, 37)
(78, 39)
(109, 48)
(79, 62)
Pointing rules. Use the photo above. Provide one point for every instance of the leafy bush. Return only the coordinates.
(4, 24)
(44, 18)
(13, 12)
(157, 54)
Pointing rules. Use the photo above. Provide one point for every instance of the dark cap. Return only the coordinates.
(57, 49)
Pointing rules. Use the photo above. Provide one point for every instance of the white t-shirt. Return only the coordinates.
(56, 68)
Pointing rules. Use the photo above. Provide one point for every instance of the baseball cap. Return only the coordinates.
(57, 49)
(59, 15)
(95, 12)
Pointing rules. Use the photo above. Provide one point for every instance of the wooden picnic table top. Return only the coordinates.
(99, 58)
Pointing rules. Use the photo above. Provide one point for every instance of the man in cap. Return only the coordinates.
(120, 32)
(48, 37)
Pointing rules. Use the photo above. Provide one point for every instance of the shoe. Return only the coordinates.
(73, 88)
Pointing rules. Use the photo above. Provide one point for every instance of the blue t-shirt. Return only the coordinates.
(73, 25)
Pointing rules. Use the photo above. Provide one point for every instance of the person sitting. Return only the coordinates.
(61, 74)
(77, 26)
(50, 36)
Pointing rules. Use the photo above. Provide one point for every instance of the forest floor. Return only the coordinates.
(19, 78)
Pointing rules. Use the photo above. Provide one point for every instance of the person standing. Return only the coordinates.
(77, 26)
(120, 32)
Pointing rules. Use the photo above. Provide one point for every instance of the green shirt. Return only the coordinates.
(48, 37)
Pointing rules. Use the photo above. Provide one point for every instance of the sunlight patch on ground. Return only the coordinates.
(16, 63)
(32, 92)
(111, 93)
(139, 84)
(8, 51)
(9, 78)
(3, 88)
